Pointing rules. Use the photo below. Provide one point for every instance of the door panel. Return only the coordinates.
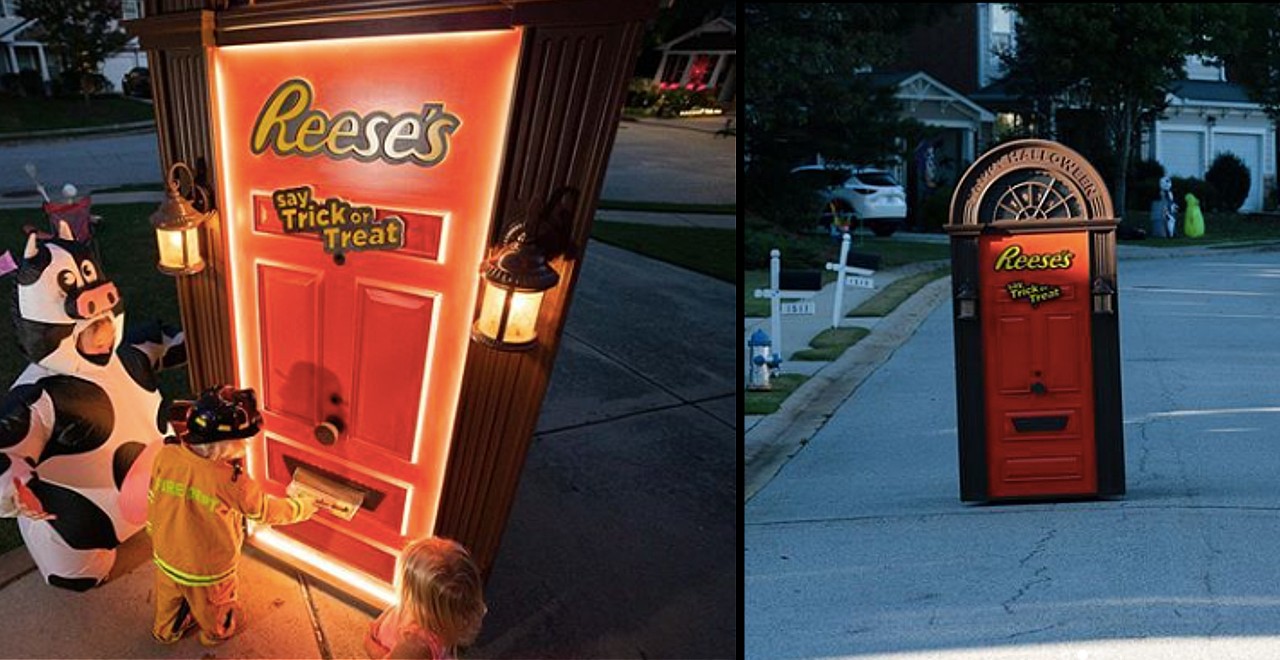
(371, 340)
(1035, 319)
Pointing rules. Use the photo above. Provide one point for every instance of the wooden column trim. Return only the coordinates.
(571, 87)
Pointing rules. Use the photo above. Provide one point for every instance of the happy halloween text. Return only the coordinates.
(1033, 293)
(288, 126)
(340, 225)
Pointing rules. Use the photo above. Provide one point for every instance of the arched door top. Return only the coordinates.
(1030, 184)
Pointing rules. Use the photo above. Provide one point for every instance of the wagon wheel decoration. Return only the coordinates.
(1039, 196)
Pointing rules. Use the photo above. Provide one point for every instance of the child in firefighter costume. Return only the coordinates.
(198, 502)
(77, 420)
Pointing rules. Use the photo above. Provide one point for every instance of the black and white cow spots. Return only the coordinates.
(77, 420)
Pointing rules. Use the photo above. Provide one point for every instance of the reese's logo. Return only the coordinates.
(288, 126)
(1012, 258)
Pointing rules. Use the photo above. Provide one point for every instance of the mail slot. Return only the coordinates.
(1036, 323)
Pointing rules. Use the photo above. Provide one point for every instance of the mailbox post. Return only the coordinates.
(366, 161)
(1036, 319)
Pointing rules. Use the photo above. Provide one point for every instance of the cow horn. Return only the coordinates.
(31, 250)
(64, 231)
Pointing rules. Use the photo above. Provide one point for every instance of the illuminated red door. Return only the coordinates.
(1039, 384)
(368, 342)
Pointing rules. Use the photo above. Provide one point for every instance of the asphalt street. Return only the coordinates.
(860, 547)
(663, 160)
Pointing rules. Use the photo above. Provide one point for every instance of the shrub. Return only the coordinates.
(1230, 178)
(641, 93)
(1144, 183)
(1203, 190)
(673, 100)
(935, 210)
(30, 82)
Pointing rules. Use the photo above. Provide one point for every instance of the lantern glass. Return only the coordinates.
(520, 308)
(179, 249)
(522, 320)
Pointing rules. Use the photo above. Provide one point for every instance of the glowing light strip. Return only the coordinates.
(292, 549)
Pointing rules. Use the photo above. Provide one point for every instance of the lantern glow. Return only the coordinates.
(177, 224)
(514, 282)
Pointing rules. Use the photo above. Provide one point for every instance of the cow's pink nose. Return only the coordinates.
(97, 300)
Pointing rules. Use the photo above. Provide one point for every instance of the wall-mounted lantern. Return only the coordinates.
(1103, 295)
(966, 302)
(515, 279)
(177, 224)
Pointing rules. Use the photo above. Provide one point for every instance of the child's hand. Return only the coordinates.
(308, 506)
(28, 504)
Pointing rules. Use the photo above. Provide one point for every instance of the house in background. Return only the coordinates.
(20, 49)
(1207, 114)
(957, 125)
(705, 55)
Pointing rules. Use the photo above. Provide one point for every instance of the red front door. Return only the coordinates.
(358, 180)
(1035, 305)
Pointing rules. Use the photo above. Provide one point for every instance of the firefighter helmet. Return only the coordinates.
(223, 413)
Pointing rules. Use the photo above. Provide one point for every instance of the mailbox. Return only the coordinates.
(366, 160)
(1036, 320)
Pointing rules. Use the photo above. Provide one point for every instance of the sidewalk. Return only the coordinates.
(620, 541)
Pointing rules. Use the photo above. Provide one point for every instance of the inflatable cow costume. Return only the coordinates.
(76, 423)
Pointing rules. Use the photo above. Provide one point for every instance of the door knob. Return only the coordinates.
(328, 431)
(1038, 388)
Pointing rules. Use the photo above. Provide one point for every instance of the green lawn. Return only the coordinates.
(711, 252)
(128, 248)
(766, 403)
(884, 302)
(667, 207)
(1218, 228)
(830, 344)
(19, 115)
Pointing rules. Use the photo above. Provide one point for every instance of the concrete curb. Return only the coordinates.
(112, 129)
(776, 438)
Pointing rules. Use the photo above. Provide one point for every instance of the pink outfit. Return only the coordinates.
(392, 629)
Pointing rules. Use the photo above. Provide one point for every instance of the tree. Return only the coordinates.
(1252, 55)
(1118, 59)
(803, 95)
(81, 33)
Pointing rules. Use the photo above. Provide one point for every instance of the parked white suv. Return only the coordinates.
(853, 194)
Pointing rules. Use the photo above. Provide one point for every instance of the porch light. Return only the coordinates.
(514, 280)
(966, 302)
(177, 224)
(1103, 297)
(513, 283)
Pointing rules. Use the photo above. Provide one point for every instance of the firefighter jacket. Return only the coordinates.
(195, 515)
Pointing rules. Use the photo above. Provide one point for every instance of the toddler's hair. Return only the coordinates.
(440, 588)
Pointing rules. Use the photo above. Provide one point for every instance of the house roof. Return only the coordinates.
(1210, 91)
(920, 86)
(716, 41)
(12, 26)
(718, 28)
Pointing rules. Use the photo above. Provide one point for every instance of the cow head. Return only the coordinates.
(67, 315)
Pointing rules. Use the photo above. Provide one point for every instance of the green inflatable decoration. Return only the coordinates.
(1193, 220)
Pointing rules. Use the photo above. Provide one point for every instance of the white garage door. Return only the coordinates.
(1182, 153)
(1249, 149)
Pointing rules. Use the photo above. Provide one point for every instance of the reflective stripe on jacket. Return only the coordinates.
(196, 512)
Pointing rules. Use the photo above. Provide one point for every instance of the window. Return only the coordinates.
(675, 68)
(132, 9)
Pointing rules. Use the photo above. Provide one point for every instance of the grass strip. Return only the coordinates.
(883, 303)
(767, 403)
(830, 344)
